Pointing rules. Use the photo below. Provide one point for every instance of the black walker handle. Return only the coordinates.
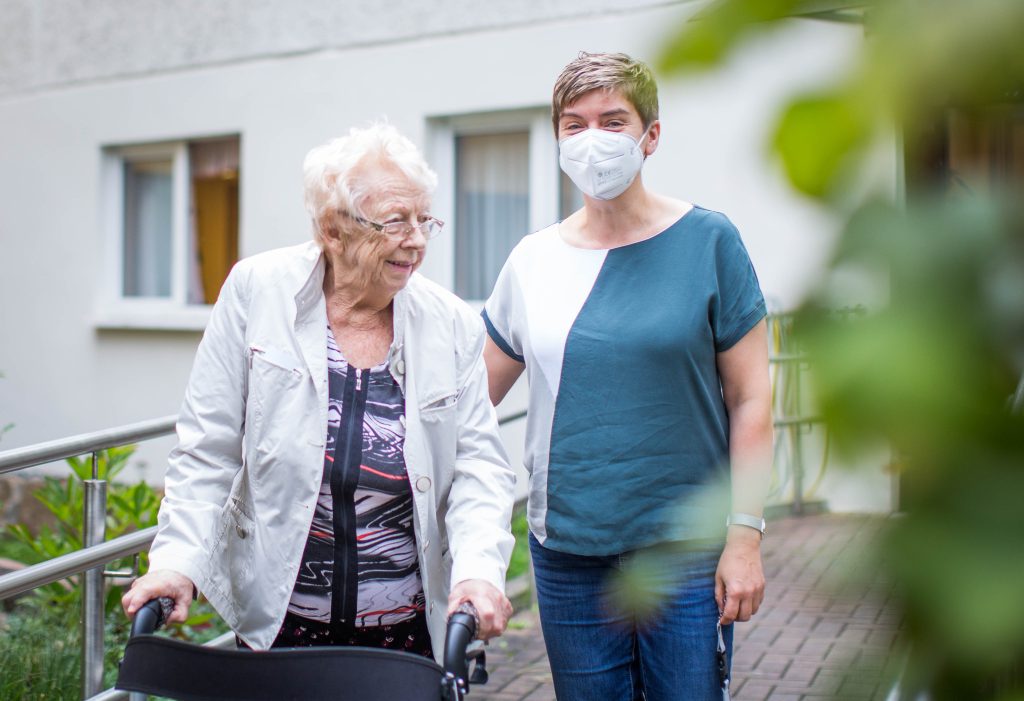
(461, 631)
(151, 616)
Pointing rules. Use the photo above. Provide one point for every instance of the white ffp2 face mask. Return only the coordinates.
(601, 163)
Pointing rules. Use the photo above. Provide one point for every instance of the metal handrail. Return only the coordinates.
(58, 568)
(42, 453)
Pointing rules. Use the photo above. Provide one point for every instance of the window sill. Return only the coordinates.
(153, 317)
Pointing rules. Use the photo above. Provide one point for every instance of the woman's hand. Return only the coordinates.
(493, 608)
(739, 581)
(156, 584)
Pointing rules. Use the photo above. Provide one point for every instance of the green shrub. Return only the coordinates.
(39, 655)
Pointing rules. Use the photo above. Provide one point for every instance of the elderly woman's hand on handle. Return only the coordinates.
(157, 583)
(492, 607)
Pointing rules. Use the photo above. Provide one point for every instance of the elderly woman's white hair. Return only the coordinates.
(327, 168)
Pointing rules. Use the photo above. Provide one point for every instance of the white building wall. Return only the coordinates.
(76, 77)
(50, 43)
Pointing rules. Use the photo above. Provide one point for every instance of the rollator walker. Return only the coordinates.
(161, 666)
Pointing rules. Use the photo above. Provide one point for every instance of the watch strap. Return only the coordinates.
(740, 519)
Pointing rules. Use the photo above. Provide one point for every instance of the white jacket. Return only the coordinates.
(242, 481)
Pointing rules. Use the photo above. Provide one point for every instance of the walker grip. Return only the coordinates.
(461, 631)
(151, 616)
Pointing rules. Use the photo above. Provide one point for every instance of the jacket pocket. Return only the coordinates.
(277, 358)
(439, 406)
(272, 374)
(235, 549)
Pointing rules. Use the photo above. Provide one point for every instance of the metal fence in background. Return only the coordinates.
(791, 416)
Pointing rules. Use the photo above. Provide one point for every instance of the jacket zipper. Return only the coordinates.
(348, 452)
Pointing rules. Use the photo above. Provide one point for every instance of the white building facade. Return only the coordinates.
(112, 112)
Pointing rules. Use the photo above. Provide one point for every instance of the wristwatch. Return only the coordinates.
(755, 522)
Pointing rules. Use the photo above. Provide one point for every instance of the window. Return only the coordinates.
(172, 220)
(973, 151)
(986, 149)
(148, 194)
(498, 181)
(492, 196)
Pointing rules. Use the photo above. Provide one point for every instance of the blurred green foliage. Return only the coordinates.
(720, 28)
(931, 374)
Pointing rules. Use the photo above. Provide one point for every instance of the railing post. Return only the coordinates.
(93, 533)
(798, 448)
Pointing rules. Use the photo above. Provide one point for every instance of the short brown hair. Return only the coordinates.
(590, 72)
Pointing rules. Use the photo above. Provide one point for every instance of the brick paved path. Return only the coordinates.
(812, 640)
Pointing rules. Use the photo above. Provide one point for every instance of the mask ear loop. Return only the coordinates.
(643, 151)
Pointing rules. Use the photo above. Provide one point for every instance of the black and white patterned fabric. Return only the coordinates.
(359, 567)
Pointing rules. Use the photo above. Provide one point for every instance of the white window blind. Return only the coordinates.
(492, 206)
(148, 202)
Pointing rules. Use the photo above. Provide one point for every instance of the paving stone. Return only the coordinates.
(829, 627)
(762, 634)
(804, 620)
(754, 690)
(827, 682)
(842, 608)
(799, 671)
(743, 661)
(774, 664)
(854, 634)
(787, 645)
(815, 643)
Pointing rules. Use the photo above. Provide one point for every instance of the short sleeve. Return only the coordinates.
(501, 310)
(739, 303)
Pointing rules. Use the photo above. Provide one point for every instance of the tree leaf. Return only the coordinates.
(708, 37)
(815, 138)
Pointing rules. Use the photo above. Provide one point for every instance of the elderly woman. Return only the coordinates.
(640, 324)
(338, 477)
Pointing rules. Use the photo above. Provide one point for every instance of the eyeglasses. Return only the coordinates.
(398, 230)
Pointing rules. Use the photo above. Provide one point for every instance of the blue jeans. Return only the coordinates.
(660, 646)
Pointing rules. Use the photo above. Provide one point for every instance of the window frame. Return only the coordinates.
(115, 310)
(542, 169)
